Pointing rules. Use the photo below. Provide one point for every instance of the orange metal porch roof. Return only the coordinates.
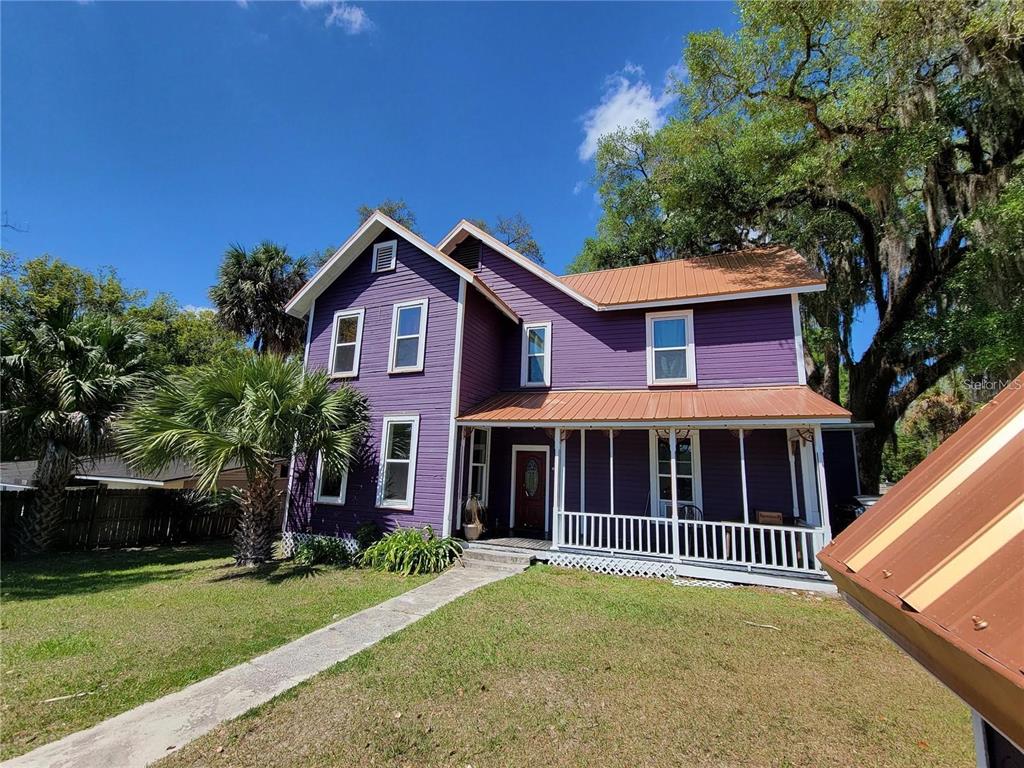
(581, 406)
(747, 271)
(938, 562)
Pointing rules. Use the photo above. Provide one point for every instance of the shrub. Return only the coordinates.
(410, 551)
(326, 550)
(366, 535)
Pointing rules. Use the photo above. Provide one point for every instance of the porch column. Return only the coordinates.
(583, 470)
(819, 457)
(611, 471)
(743, 480)
(675, 508)
(792, 473)
(556, 495)
(461, 464)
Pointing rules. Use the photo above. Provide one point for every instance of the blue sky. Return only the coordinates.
(149, 136)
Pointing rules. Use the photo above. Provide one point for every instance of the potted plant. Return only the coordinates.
(472, 526)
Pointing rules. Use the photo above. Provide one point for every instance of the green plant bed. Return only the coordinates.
(410, 551)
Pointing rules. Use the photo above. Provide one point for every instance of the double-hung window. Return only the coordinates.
(687, 471)
(670, 356)
(330, 486)
(408, 337)
(398, 461)
(346, 340)
(479, 457)
(536, 357)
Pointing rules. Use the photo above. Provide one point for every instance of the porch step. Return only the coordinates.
(496, 558)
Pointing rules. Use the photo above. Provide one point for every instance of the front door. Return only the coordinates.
(530, 490)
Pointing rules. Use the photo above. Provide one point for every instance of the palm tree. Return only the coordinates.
(253, 412)
(64, 384)
(251, 291)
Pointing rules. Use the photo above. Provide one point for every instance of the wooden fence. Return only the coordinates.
(100, 517)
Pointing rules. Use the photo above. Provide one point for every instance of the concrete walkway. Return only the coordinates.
(145, 734)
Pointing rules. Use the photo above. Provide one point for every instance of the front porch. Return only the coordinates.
(737, 503)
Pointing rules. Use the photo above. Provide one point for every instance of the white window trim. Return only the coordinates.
(691, 362)
(698, 495)
(398, 418)
(357, 313)
(422, 335)
(320, 498)
(523, 369)
(481, 492)
(394, 258)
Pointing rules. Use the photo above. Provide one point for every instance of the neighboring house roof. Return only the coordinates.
(640, 407)
(936, 562)
(761, 271)
(752, 272)
(104, 469)
(360, 240)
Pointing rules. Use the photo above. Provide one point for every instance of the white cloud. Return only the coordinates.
(578, 187)
(351, 18)
(196, 309)
(628, 99)
(347, 16)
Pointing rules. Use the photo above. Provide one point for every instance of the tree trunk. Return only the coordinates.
(254, 537)
(40, 526)
(870, 385)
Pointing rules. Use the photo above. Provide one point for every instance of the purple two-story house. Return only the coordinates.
(651, 419)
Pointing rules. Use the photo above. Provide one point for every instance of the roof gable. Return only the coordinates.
(360, 240)
(773, 270)
(465, 229)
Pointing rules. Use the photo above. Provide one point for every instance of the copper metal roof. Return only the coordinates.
(787, 403)
(749, 271)
(938, 562)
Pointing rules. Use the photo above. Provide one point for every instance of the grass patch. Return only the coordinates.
(126, 627)
(567, 668)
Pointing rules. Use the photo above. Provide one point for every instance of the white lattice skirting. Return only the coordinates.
(615, 566)
(289, 539)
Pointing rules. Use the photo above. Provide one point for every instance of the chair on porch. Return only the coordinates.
(769, 517)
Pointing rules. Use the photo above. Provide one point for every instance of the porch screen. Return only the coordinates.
(684, 474)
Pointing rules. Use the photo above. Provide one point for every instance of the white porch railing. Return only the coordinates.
(786, 548)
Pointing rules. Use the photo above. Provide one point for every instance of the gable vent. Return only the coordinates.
(384, 256)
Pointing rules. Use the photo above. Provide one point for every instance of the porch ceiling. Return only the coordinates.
(787, 404)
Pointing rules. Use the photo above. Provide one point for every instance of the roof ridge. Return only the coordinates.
(723, 254)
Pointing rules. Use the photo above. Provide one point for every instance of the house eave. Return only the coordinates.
(765, 293)
(783, 422)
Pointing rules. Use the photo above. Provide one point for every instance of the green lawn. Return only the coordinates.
(127, 627)
(566, 668)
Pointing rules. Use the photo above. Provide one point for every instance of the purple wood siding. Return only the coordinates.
(500, 489)
(740, 342)
(427, 393)
(840, 466)
(485, 335)
(748, 341)
(720, 475)
(769, 485)
(768, 479)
